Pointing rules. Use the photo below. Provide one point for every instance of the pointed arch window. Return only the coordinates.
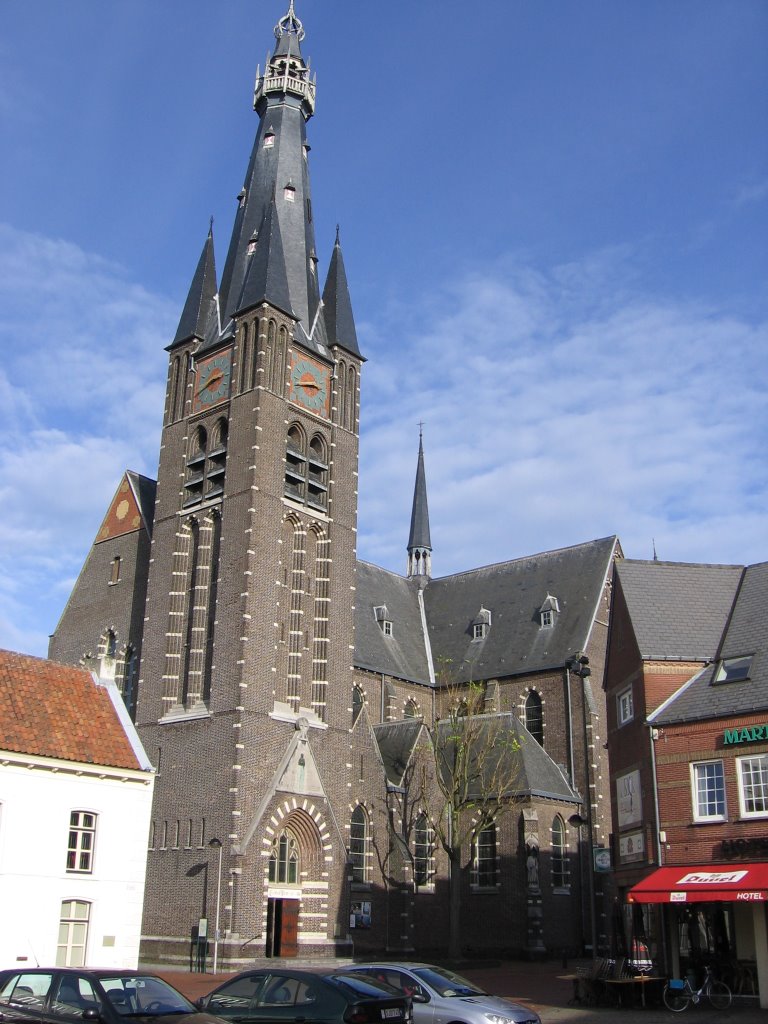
(357, 703)
(306, 469)
(284, 859)
(193, 486)
(534, 717)
(411, 710)
(206, 464)
(561, 874)
(485, 872)
(360, 845)
(424, 851)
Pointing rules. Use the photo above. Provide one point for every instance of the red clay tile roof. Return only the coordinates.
(58, 711)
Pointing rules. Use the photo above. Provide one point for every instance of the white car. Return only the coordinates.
(441, 997)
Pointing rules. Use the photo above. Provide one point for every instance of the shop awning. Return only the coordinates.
(708, 883)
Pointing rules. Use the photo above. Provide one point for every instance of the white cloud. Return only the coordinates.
(82, 386)
(559, 406)
(565, 406)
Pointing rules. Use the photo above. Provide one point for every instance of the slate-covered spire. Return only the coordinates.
(337, 307)
(276, 194)
(200, 306)
(419, 542)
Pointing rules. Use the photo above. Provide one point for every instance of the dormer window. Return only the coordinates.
(481, 624)
(289, 193)
(381, 615)
(734, 670)
(269, 138)
(548, 612)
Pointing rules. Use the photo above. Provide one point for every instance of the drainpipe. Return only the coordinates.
(652, 736)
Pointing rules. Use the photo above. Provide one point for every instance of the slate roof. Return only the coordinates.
(145, 491)
(397, 741)
(514, 592)
(337, 305)
(746, 633)
(678, 609)
(200, 304)
(528, 767)
(403, 654)
(59, 711)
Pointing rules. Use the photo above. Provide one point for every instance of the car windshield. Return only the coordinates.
(358, 987)
(446, 983)
(136, 995)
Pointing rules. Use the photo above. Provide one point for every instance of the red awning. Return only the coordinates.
(742, 883)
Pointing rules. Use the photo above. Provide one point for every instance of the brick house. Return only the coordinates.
(689, 766)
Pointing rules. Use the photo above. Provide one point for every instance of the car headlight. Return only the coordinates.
(499, 1018)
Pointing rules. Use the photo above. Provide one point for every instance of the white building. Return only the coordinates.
(75, 804)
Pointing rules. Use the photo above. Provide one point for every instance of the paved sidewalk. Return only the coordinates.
(535, 984)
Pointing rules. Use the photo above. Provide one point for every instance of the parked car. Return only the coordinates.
(441, 997)
(63, 995)
(327, 996)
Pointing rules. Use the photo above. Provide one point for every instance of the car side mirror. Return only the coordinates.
(419, 997)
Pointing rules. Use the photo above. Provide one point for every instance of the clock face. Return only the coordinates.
(309, 385)
(213, 377)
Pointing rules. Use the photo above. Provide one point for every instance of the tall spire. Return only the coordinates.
(419, 542)
(273, 224)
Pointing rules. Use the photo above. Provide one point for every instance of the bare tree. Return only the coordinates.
(475, 761)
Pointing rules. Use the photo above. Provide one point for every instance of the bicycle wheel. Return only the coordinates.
(676, 999)
(719, 995)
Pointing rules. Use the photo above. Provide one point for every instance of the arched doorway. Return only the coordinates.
(295, 857)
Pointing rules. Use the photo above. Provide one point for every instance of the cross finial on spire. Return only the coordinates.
(289, 23)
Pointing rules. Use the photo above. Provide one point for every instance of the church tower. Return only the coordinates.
(246, 673)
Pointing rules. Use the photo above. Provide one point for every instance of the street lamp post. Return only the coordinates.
(578, 665)
(216, 845)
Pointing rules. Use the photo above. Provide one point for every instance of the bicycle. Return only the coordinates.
(678, 994)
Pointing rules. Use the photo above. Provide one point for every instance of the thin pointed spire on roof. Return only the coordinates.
(419, 541)
(337, 306)
(201, 298)
(655, 556)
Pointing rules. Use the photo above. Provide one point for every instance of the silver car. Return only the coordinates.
(442, 997)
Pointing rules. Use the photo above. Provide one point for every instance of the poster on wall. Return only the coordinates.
(628, 799)
(360, 917)
(631, 847)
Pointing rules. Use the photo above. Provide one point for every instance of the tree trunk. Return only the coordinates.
(454, 903)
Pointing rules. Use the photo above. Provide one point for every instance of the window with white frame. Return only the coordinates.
(753, 785)
(625, 706)
(360, 845)
(73, 933)
(708, 783)
(82, 839)
(423, 851)
(484, 863)
(561, 866)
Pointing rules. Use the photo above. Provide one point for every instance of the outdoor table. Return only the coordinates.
(638, 979)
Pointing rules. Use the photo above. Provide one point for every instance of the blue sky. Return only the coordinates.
(553, 216)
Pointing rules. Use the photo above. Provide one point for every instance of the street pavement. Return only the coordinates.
(536, 984)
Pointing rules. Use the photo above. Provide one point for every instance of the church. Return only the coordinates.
(283, 689)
